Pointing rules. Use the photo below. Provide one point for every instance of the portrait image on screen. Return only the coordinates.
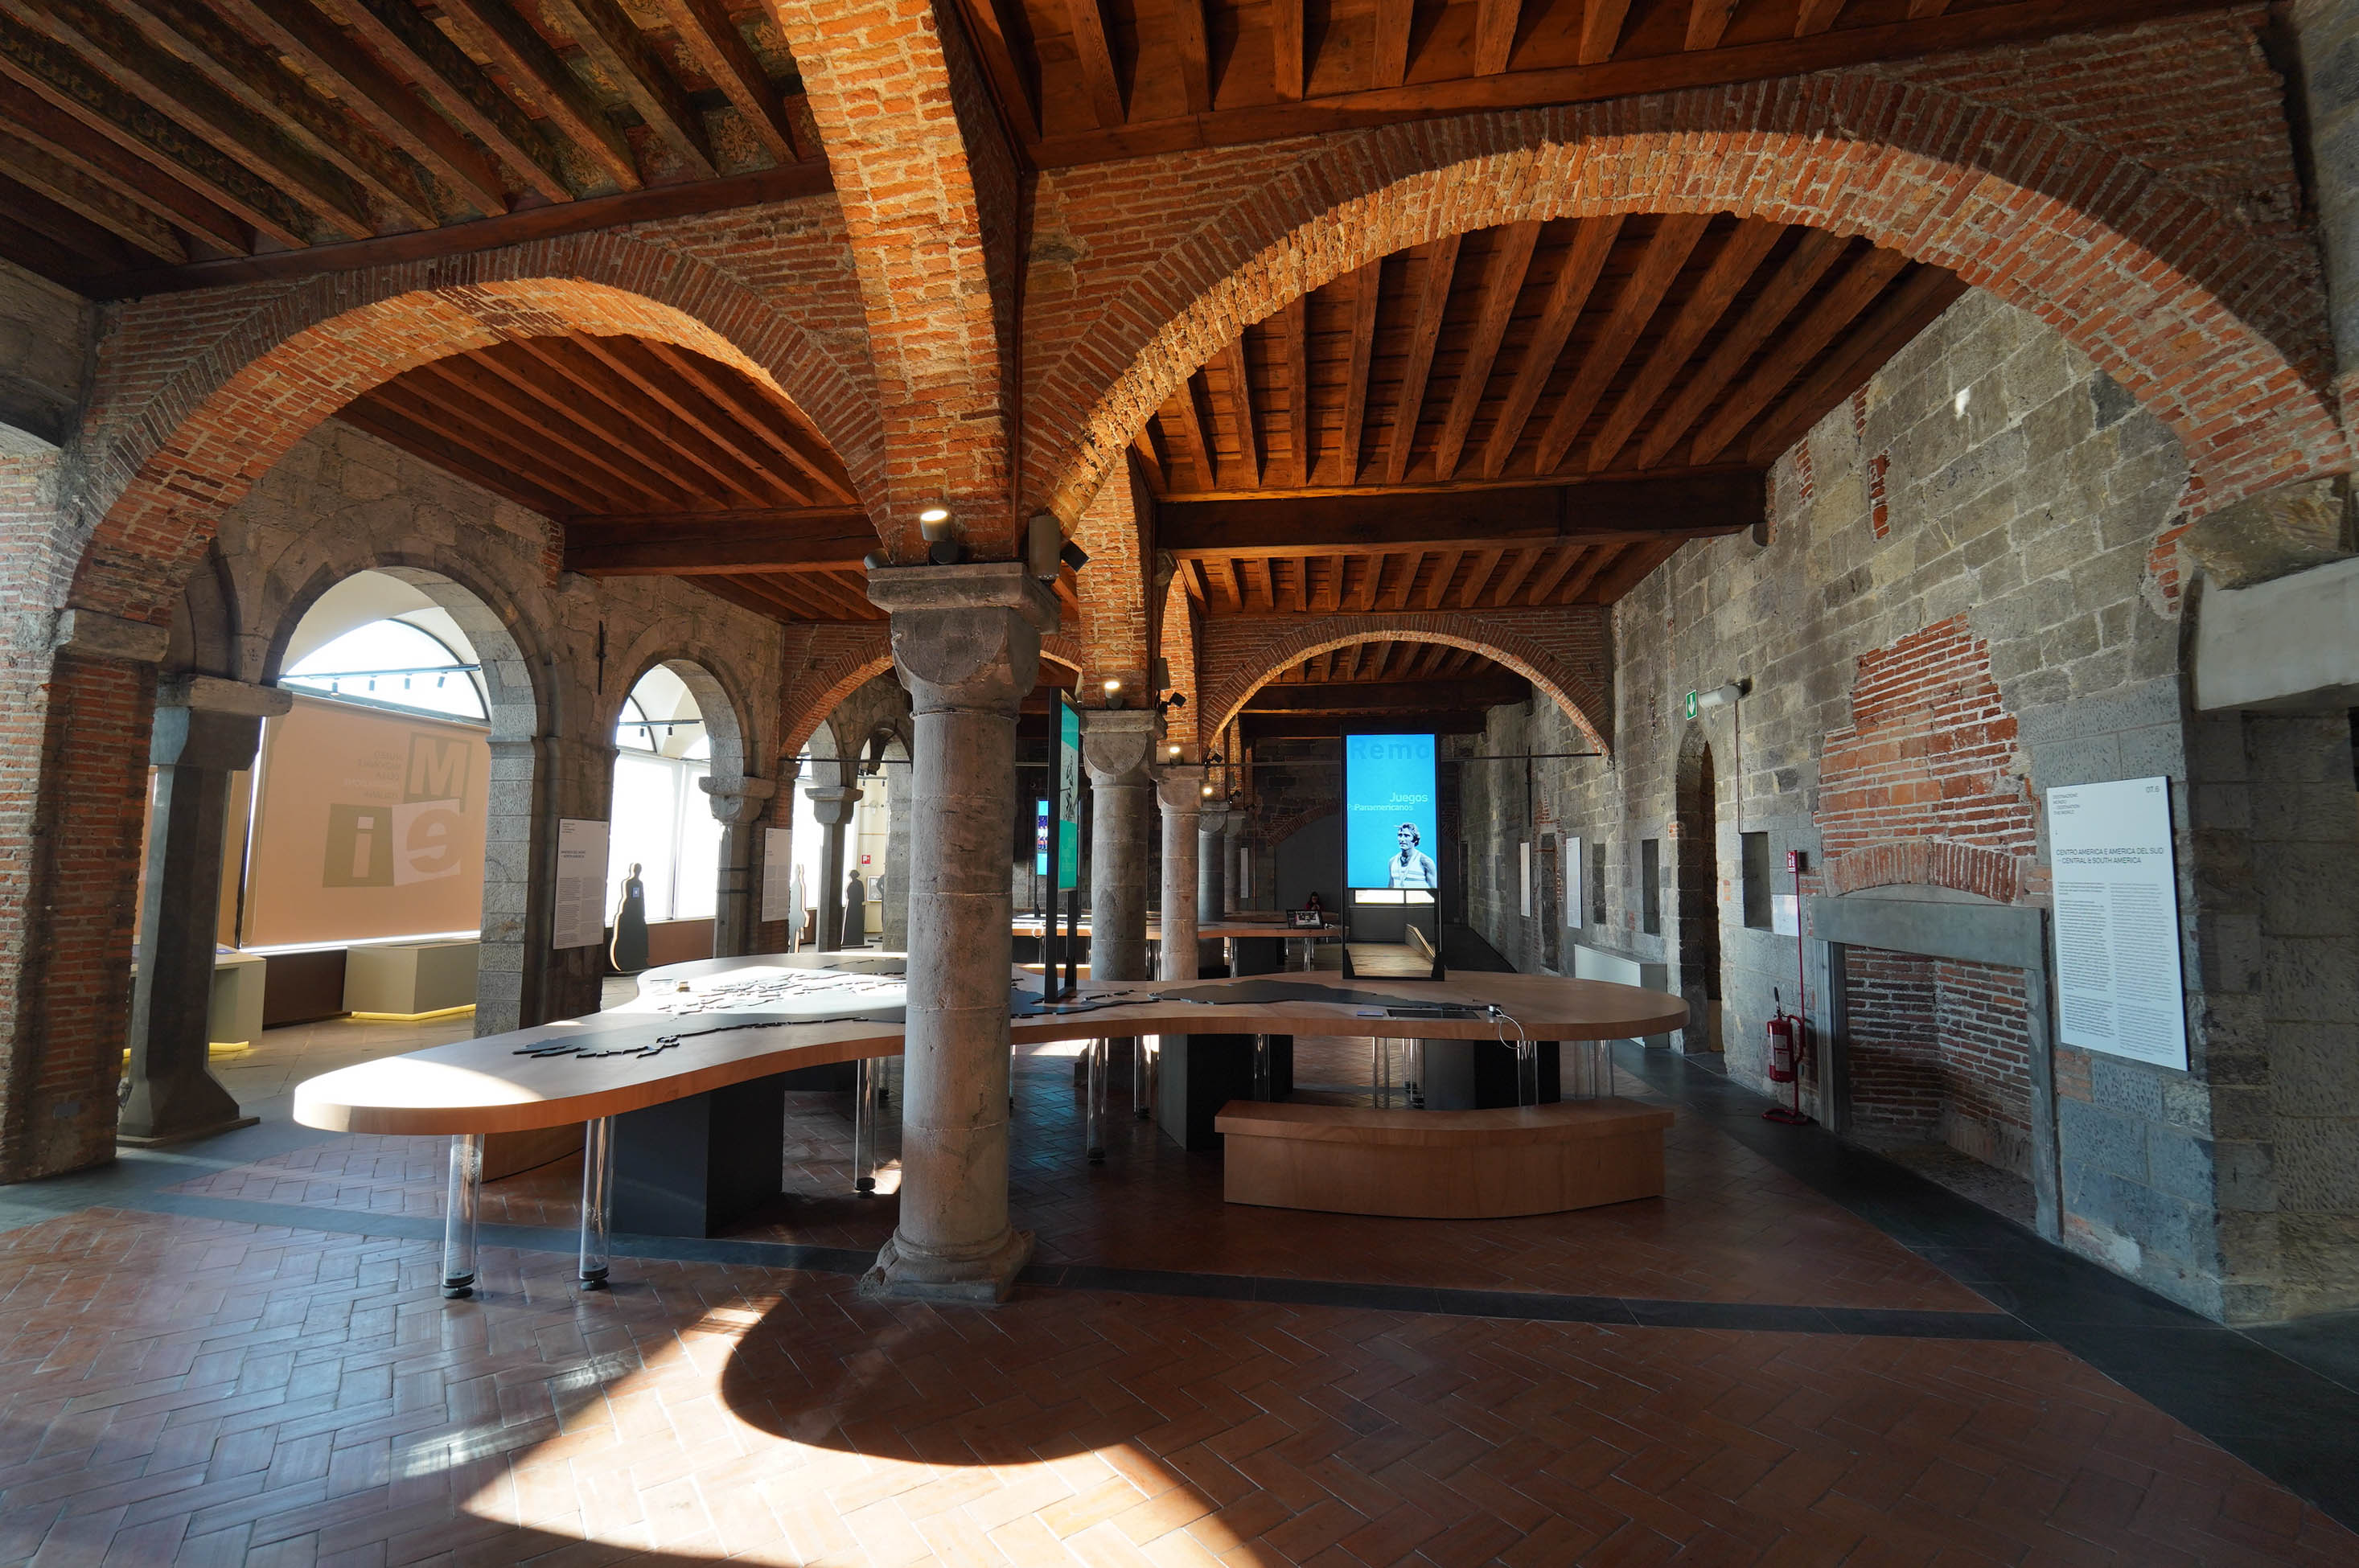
(1391, 838)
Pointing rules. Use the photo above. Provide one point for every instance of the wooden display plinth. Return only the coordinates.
(1443, 1164)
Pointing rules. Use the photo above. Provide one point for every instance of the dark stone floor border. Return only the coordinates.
(2284, 1399)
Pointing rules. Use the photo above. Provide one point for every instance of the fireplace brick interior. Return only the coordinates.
(1939, 1054)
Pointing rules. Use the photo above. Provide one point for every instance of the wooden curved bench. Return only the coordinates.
(1443, 1164)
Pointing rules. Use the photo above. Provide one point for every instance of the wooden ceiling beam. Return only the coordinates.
(44, 238)
(694, 544)
(1598, 560)
(538, 75)
(1853, 293)
(615, 44)
(1258, 728)
(1503, 284)
(1543, 586)
(1796, 276)
(710, 38)
(1237, 374)
(1816, 17)
(61, 78)
(1193, 41)
(1321, 692)
(258, 158)
(759, 411)
(1367, 287)
(606, 395)
(1425, 335)
(598, 407)
(1707, 20)
(1675, 239)
(1445, 572)
(1094, 54)
(744, 595)
(1511, 578)
(1478, 575)
(1372, 582)
(1443, 519)
(1575, 278)
(115, 169)
(460, 88)
(1494, 33)
(255, 79)
(499, 445)
(1003, 38)
(1294, 349)
(1736, 263)
(1597, 76)
(546, 417)
(1908, 310)
(1923, 10)
(1600, 30)
(749, 476)
(1196, 428)
(1407, 584)
(1150, 462)
(297, 29)
(94, 201)
(1633, 566)
(1389, 42)
(837, 599)
(1287, 55)
(428, 443)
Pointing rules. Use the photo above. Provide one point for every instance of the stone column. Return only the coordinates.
(966, 643)
(1117, 745)
(896, 861)
(738, 805)
(206, 728)
(832, 804)
(1233, 852)
(1180, 790)
(1211, 883)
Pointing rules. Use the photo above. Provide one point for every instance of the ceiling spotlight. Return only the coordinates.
(1175, 754)
(1113, 692)
(1208, 791)
(932, 518)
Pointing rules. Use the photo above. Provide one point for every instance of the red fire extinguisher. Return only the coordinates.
(1781, 1059)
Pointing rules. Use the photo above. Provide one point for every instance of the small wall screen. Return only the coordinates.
(1392, 837)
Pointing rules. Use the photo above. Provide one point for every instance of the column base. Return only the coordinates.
(167, 1140)
(984, 1280)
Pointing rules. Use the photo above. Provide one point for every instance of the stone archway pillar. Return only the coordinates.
(1211, 882)
(897, 860)
(738, 805)
(1117, 745)
(206, 728)
(966, 643)
(831, 807)
(1180, 792)
(1234, 855)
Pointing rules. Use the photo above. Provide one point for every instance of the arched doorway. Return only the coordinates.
(663, 824)
(1697, 869)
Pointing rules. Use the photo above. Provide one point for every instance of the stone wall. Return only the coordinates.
(1967, 599)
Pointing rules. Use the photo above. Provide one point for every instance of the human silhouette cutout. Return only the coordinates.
(629, 952)
(855, 913)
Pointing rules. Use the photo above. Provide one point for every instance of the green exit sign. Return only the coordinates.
(1691, 705)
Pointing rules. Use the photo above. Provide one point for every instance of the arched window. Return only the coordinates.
(662, 821)
(392, 664)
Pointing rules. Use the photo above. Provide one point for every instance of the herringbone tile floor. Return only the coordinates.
(195, 1390)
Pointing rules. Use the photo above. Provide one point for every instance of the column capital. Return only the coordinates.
(95, 634)
(737, 801)
(1179, 788)
(832, 803)
(1117, 744)
(964, 637)
(1212, 817)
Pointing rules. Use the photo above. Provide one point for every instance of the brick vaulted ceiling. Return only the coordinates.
(152, 144)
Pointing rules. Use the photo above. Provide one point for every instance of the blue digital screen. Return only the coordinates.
(1040, 838)
(1391, 826)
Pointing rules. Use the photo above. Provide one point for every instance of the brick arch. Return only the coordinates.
(848, 656)
(1928, 862)
(2217, 329)
(929, 198)
(192, 451)
(1249, 670)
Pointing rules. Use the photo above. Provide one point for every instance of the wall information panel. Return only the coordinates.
(2118, 988)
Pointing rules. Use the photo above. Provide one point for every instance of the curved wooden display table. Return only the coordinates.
(1443, 1164)
(713, 1039)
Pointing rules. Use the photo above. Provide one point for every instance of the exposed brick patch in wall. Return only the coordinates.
(1564, 652)
(2162, 569)
(1924, 785)
(1805, 482)
(2215, 324)
(279, 366)
(825, 663)
(1940, 1050)
(1879, 510)
(882, 93)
